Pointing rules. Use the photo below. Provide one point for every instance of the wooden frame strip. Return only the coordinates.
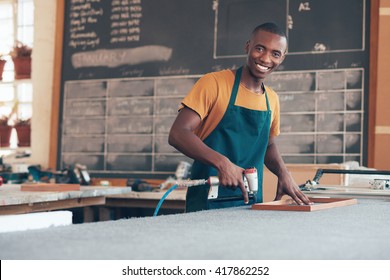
(290, 205)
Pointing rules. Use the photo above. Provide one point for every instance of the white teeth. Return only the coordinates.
(262, 67)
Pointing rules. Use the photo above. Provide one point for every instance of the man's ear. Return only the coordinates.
(246, 48)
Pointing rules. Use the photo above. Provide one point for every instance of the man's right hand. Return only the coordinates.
(231, 176)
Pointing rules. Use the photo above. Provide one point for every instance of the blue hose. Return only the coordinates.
(163, 198)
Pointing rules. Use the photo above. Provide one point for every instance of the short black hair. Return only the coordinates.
(270, 27)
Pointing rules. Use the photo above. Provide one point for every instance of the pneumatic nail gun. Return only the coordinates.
(250, 181)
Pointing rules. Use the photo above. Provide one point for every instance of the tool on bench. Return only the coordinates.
(377, 183)
(250, 181)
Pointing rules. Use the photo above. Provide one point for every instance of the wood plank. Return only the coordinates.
(57, 68)
(52, 205)
(290, 205)
(48, 187)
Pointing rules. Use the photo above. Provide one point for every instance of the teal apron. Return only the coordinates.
(242, 136)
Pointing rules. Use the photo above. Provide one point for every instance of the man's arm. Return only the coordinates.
(182, 138)
(286, 184)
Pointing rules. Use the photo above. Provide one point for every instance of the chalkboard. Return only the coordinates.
(126, 64)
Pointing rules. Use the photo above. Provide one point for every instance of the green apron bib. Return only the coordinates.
(242, 136)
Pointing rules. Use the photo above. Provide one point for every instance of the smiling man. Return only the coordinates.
(228, 122)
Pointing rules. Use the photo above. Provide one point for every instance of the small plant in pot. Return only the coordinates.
(23, 131)
(21, 56)
(5, 131)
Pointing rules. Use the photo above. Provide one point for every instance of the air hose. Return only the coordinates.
(163, 198)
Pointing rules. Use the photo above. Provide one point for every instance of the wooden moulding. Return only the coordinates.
(47, 187)
(290, 205)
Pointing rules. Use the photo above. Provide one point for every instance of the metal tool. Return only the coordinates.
(250, 181)
(376, 184)
(380, 184)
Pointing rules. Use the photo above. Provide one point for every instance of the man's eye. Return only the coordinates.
(276, 55)
(259, 49)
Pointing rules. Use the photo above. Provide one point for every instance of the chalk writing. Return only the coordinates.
(125, 21)
(83, 16)
(116, 57)
(304, 6)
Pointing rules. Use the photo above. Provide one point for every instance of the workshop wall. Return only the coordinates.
(125, 70)
(43, 140)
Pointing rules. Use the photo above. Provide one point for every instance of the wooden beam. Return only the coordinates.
(373, 80)
(56, 92)
(52, 205)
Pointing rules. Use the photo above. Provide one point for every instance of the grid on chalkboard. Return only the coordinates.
(122, 125)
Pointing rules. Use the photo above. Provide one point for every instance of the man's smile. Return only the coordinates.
(262, 68)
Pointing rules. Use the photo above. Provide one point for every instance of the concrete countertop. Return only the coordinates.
(355, 232)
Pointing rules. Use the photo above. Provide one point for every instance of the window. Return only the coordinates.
(17, 24)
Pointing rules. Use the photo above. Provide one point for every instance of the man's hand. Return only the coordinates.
(231, 176)
(287, 186)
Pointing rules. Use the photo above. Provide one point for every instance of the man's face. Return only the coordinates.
(265, 52)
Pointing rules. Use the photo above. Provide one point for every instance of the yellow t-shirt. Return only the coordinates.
(210, 97)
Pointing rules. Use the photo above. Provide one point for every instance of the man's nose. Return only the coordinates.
(266, 57)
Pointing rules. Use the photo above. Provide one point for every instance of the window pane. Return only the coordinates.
(25, 35)
(6, 10)
(6, 92)
(24, 111)
(6, 99)
(7, 29)
(26, 13)
(5, 110)
(7, 33)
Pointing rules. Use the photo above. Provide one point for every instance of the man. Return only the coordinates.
(228, 123)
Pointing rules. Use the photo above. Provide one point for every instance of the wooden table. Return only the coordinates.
(15, 201)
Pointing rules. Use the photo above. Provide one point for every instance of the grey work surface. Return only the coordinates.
(12, 195)
(353, 232)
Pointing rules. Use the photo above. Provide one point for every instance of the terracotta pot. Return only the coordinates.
(2, 63)
(5, 135)
(24, 135)
(22, 67)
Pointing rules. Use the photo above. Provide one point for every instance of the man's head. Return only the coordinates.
(270, 27)
(266, 50)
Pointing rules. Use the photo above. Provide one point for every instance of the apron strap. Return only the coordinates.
(266, 99)
(237, 80)
(236, 84)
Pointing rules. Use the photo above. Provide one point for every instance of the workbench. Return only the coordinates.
(15, 201)
(350, 233)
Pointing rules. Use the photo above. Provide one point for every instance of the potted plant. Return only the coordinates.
(23, 132)
(2, 63)
(21, 56)
(5, 132)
